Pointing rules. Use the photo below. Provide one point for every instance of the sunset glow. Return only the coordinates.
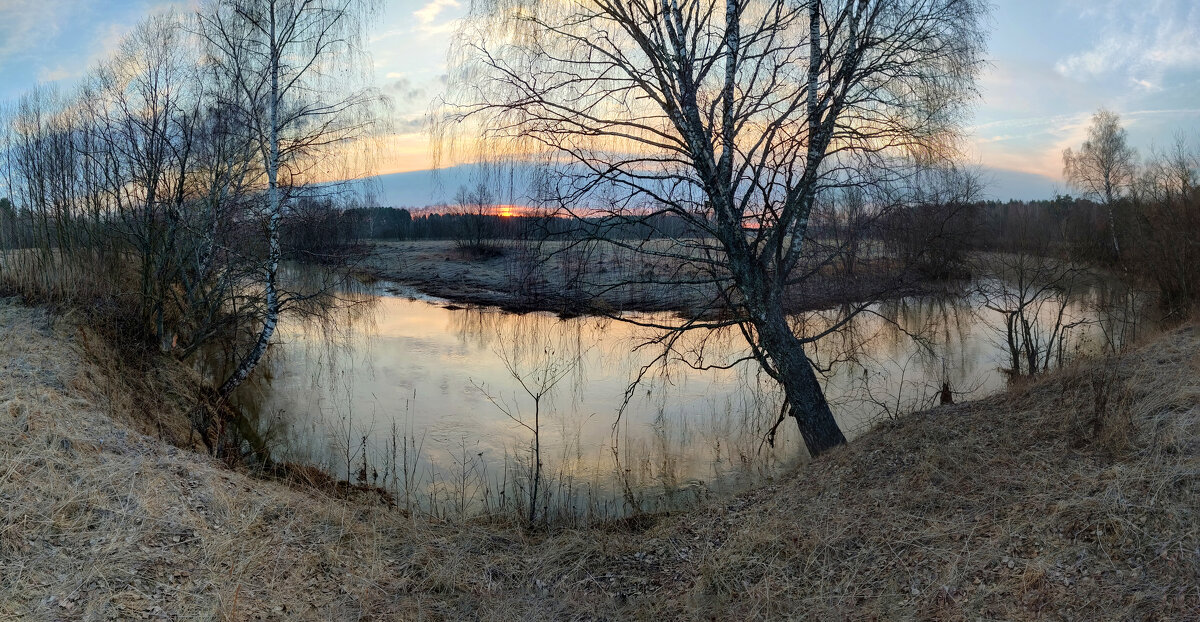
(1045, 78)
(562, 310)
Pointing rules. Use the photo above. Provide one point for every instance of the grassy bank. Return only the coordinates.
(602, 278)
(1073, 497)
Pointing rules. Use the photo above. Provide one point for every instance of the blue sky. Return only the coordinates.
(1052, 64)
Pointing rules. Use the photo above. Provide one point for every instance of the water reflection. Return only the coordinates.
(411, 395)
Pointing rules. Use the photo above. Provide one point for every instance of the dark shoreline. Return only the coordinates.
(816, 295)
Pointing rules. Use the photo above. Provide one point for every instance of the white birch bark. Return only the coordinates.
(274, 209)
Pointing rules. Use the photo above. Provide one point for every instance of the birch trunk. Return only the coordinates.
(1112, 221)
(274, 208)
(806, 398)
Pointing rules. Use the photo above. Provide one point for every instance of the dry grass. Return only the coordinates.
(1077, 497)
(601, 277)
(101, 522)
(1072, 498)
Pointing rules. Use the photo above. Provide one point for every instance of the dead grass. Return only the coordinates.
(1074, 497)
(600, 278)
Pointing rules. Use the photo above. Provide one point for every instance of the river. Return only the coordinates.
(437, 403)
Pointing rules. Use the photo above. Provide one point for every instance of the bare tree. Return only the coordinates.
(143, 109)
(1166, 196)
(8, 225)
(1032, 293)
(152, 195)
(129, 185)
(1104, 167)
(475, 231)
(934, 233)
(845, 220)
(42, 172)
(280, 62)
(731, 117)
(537, 365)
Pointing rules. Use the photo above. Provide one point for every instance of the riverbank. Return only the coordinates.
(601, 278)
(1072, 497)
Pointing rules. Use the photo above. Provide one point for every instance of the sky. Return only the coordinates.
(1051, 65)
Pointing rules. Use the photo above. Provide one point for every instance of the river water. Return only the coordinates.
(438, 404)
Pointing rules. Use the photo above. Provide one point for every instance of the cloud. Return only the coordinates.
(1035, 145)
(1140, 42)
(411, 124)
(25, 23)
(59, 40)
(428, 14)
(60, 72)
(1004, 184)
(1029, 145)
(1145, 85)
(403, 90)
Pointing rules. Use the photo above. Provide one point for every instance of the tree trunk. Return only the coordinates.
(811, 411)
(250, 361)
(1109, 199)
(274, 208)
(537, 460)
(808, 405)
(1112, 228)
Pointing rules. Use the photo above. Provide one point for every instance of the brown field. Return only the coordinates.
(597, 279)
(1073, 497)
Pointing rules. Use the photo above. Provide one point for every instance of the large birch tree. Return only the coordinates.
(736, 117)
(285, 65)
(1103, 169)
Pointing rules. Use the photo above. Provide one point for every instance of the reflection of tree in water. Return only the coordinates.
(1121, 310)
(326, 331)
(652, 454)
(696, 421)
(526, 338)
(895, 357)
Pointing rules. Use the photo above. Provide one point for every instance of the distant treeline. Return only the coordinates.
(1157, 227)
(1157, 231)
(992, 225)
(1064, 223)
(1079, 227)
(391, 223)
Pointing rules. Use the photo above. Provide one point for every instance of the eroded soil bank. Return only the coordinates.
(1073, 497)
